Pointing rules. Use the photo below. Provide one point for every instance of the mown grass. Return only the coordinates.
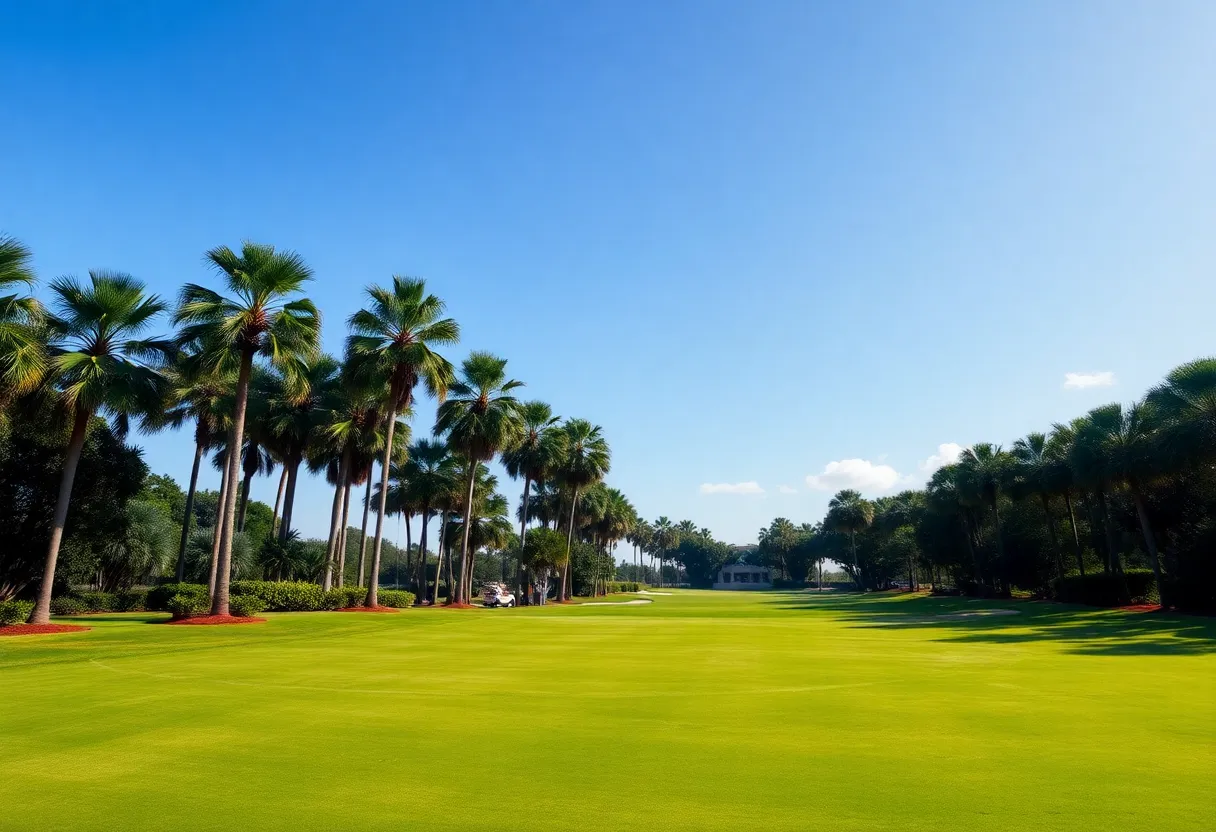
(699, 711)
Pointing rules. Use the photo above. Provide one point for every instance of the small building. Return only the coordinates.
(743, 576)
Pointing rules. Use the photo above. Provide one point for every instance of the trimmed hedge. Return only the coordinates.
(13, 611)
(245, 606)
(68, 605)
(1102, 590)
(622, 586)
(188, 604)
(341, 597)
(282, 596)
(396, 598)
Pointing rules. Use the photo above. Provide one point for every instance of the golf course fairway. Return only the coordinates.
(699, 711)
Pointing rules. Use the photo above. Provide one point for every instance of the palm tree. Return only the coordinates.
(1186, 405)
(986, 470)
(947, 496)
(664, 537)
(1126, 443)
(586, 461)
(393, 340)
(23, 359)
(1060, 446)
(1040, 473)
(293, 421)
(259, 319)
(204, 398)
(616, 520)
(426, 477)
(534, 457)
(849, 512)
(480, 418)
(641, 538)
(99, 364)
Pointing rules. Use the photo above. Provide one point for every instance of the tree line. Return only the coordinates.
(1115, 506)
(243, 369)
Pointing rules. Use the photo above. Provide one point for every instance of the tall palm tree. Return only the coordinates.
(203, 397)
(262, 317)
(534, 456)
(23, 359)
(1088, 459)
(947, 496)
(480, 418)
(99, 364)
(586, 461)
(1127, 443)
(429, 476)
(1186, 405)
(664, 538)
(1040, 473)
(1060, 446)
(393, 340)
(849, 512)
(641, 538)
(986, 471)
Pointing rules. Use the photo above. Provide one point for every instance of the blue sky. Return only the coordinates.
(757, 242)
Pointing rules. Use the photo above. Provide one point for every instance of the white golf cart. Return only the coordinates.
(497, 595)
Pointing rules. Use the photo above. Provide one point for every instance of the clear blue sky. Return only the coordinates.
(750, 239)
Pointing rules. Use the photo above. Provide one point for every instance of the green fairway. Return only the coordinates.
(698, 711)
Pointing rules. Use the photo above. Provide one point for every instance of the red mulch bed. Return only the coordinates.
(1140, 608)
(368, 609)
(40, 629)
(217, 619)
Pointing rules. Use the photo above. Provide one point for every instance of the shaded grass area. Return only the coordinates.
(698, 711)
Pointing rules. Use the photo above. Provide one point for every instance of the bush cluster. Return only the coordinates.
(396, 598)
(622, 586)
(13, 611)
(188, 600)
(245, 606)
(68, 605)
(341, 597)
(282, 596)
(157, 598)
(1099, 589)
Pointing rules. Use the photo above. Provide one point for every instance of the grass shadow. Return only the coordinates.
(1081, 630)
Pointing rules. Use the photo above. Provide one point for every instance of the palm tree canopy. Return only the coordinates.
(394, 337)
(849, 512)
(99, 362)
(587, 457)
(541, 447)
(985, 470)
(22, 343)
(1119, 445)
(261, 315)
(1186, 403)
(480, 416)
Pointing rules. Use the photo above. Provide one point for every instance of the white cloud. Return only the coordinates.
(860, 474)
(751, 487)
(785, 489)
(947, 453)
(1081, 381)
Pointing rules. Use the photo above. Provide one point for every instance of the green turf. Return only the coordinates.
(699, 711)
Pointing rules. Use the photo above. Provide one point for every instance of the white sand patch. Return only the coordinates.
(635, 601)
(648, 592)
(978, 613)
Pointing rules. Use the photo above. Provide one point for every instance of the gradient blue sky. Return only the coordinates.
(750, 239)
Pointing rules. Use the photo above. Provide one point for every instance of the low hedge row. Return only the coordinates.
(299, 596)
(1137, 586)
(623, 586)
(246, 598)
(76, 603)
(396, 598)
(13, 611)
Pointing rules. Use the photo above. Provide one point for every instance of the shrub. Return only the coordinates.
(98, 601)
(245, 606)
(13, 611)
(623, 586)
(341, 597)
(68, 605)
(187, 604)
(1099, 589)
(398, 598)
(283, 596)
(131, 600)
(158, 598)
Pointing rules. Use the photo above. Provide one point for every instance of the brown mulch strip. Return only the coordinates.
(40, 629)
(368, 609)
(1140, 608)
(217, 619)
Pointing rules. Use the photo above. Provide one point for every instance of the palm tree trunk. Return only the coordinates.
(335, 520)
(1111, 547)
(215, 531)
(41, 614)
(1076, 537)
(240, 514)
(421, 580)
(443, 535)
(564, 595)
(373, 583)
(289, 500)
(408, 545)
(278, 502)
(856, 563)
(461, 596)
(1000, 550)
(523, 538)
(367, 504)
(223, 574)
(1150, 542)
(342, 534)
(199, 449)
(1055, 539)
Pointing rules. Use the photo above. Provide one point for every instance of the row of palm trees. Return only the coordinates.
(1149, 457)
(245, 370)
